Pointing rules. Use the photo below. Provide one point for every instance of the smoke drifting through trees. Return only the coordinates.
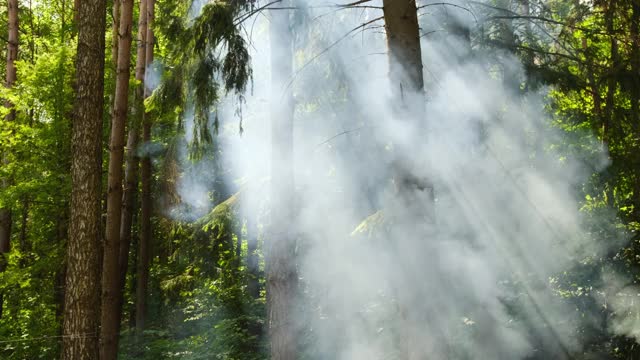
(478, 272)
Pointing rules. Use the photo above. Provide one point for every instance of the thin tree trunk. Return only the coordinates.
(12, 52)
(23, 224)
(115, 27)
(142, 46)
(635, 64)
(253, 286)
(609, 101)
(593, 84)
(238, 250)
(134, 280)
(128, 210)
(133, 161)
(82, 290)
(12, 56)
(58, 291)
(612, 83)
(32, 43)
(635, 88)
(138, 111)
(280, 255)
(142, 276)
(111, 286)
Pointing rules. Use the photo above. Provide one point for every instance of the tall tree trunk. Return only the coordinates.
(133, 161)
(142, 276)
(405, 58)
(406, 79)
(12, 56)
(111, 286)
(137, 111)
(82, 290)
(280, 255)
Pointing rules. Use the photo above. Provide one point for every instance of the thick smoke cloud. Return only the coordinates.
(464, 272)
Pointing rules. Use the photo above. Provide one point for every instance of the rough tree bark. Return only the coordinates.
(405, 58)
(281, 278)
(111, 286)
(82, 294)
(142, 275)
(12, 56)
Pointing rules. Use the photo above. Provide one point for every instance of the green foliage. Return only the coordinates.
(206, 55)
(37, 149)
(204, 290)
(199, 305)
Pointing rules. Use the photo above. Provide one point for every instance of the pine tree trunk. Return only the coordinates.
(129, 198)
(12, 56)
(111, 286)
(406, 79)
(142, 276)
(405, 58)
(280, 255)
(82, 290)
(128, 210)
(115, 27)
(141, 50)
(133, 161)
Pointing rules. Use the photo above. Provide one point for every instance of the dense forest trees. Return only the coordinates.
(11, 74)
(311, 180)
(112, 242)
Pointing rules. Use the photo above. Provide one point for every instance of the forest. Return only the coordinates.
(315, 179)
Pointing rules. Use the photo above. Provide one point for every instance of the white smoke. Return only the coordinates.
(465, 277)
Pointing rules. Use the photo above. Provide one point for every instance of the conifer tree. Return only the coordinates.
(82, 294)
